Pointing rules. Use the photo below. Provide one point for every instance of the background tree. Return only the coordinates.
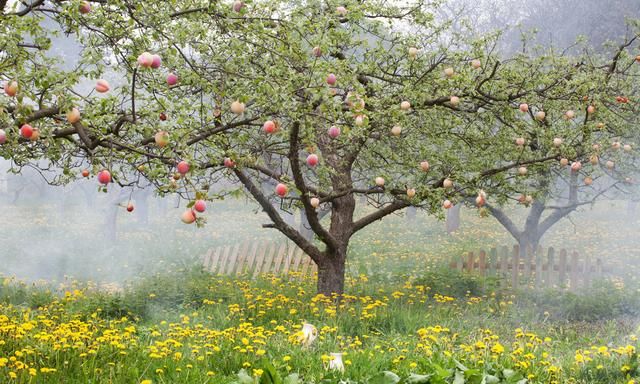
(329, 100)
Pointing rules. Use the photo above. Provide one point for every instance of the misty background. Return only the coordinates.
(77, 232)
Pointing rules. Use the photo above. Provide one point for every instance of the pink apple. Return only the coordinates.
(396, 130)
(183, 167)
(522, 171)
(447, 183)
(627, 147)
(102, 86)
(569, 114)
(454, 101)
(269, 126)
(411, 192)
(405, 105)
(282, 190)
(591, 109)
(334, 132)
(413, 52)
(380, 181)
(317, 52)
(524, 107)
(610, 164)
(156, 61)
(447, 204)
(161, 138)
(145, 59)
(314, 201)
(172, 79)
(540, 115)
(449, 72)
(588, 180)
(424, 165)
(576, 166)
(332, 79)
(229, 163)
(557, 142)
(520, 141)
(476, 64)
(104, 177)
(360, 120)
(3, 136)
(342, 11)
(35, 135)
(188, 217)
(84, 7)
(200, 206)
(616, 145)
(237, 6)
(73, 116)
(11, 88)
(312, 160)
(481, 199)
(564, 162)
(237, 107)
(26, 131)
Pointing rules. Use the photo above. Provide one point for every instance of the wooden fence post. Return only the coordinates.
(562, 268)
(515, 266)
(574, 272)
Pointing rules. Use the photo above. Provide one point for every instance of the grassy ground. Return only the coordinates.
(167, 322)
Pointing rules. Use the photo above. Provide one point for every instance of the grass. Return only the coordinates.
(141, 310)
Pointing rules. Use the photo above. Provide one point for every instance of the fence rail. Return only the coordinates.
(538, 269)
(254, 258)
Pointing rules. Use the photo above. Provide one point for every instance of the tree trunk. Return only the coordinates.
(453, 218)
(331, 274)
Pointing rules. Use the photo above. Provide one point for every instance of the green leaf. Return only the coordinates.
(459, 379)
(385, 377)
(417, 379)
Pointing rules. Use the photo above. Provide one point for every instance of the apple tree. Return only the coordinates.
(329, 101)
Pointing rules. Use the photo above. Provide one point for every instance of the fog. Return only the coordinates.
(77, 232)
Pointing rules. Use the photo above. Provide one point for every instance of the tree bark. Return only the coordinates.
(331, 273)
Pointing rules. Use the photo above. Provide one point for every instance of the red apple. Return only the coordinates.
(104, 177)
(524, 107)
(163, 116)
(161, 138)
(85, 173)
(26, 131)
(334, 132)
(130, 207)
(172, 79)
(73, 116)
(145, 60)
(3, 136)
(332, 79)
(188, 217)
(11, 88)
(229, 163)
(312, 160)
(102, 86)
(84, 7)
(269, 126)
(576, 166)
(200, 206)
(156, 61)
(183, 167)
(282, 190)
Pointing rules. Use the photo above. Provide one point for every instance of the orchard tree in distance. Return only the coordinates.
(332, 100)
